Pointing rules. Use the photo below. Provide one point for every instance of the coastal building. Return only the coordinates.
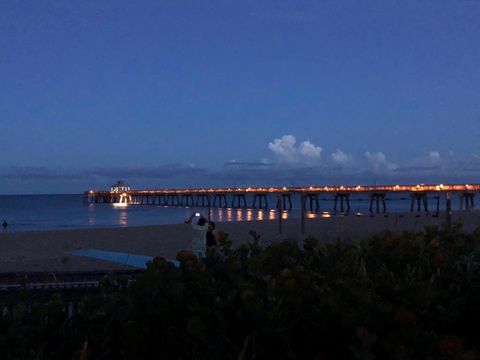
(119, 187)
(120, 196)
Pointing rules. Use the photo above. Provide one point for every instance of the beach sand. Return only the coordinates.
(48, 251)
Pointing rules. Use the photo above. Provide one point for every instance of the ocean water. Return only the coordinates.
(51, 212)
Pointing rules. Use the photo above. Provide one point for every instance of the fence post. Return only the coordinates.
(279, 209)
(448, 214)
(302, 210)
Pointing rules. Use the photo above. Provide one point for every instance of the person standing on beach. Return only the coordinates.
(199, 235)
(5, 225)
(211, 234)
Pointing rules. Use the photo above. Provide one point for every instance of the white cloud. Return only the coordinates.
(341, 158)
(284, 148)
(434, 157)
(378, 162)
(429, 162)
(309, 150)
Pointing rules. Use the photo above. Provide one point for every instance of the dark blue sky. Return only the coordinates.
(193, 93)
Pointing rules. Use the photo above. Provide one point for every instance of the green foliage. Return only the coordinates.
(396, 296)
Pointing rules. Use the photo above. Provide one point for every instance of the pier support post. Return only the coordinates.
(280, 210)
(220, 197)
(203, 197)
(261, 198)
(448, 200)
(164, 202)
(468, 199)
(344, 199)
(377, 198)
(302, 212)
(187, 198)
(437, 207)
(239, 198)
(209, 208)
(313, 199)
(172, 197)
(286, 197)
(419, 198)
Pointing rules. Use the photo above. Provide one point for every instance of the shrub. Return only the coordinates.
(401, 296)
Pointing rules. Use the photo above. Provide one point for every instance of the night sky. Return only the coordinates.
(209, 93)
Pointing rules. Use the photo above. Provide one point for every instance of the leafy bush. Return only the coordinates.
(399, 296)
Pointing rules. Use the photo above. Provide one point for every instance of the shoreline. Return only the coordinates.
(47, 251)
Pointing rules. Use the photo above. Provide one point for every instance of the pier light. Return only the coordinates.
(311, 187)
(342, 187)
(271, 215)
(284, 188)
(466, 186)
(91, 191)
(249, 188)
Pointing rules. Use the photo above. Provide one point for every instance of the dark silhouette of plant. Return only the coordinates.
(396, 296)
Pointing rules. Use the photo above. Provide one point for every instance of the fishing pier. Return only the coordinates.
(422, 197)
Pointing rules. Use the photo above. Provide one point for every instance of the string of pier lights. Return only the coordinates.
(333, 189)
(310, 189)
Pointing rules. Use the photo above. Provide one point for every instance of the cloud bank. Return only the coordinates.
(340, 158)
(285, 150)
(293, 164)
(379, 164)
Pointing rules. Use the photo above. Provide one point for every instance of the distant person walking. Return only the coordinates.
(5, 225)
(199, 234)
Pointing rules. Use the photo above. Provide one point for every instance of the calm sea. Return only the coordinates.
(48, 212)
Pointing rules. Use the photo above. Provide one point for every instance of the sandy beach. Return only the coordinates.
(48, 251)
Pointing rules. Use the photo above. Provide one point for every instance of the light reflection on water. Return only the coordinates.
(260, 215)
(314, 215)
(271, 214)
(225, 214)
(248, 214)
(222, 214)
(230, 214)
(91, 214)
(123, 217)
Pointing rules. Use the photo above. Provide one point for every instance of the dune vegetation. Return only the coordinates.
(397, 296)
